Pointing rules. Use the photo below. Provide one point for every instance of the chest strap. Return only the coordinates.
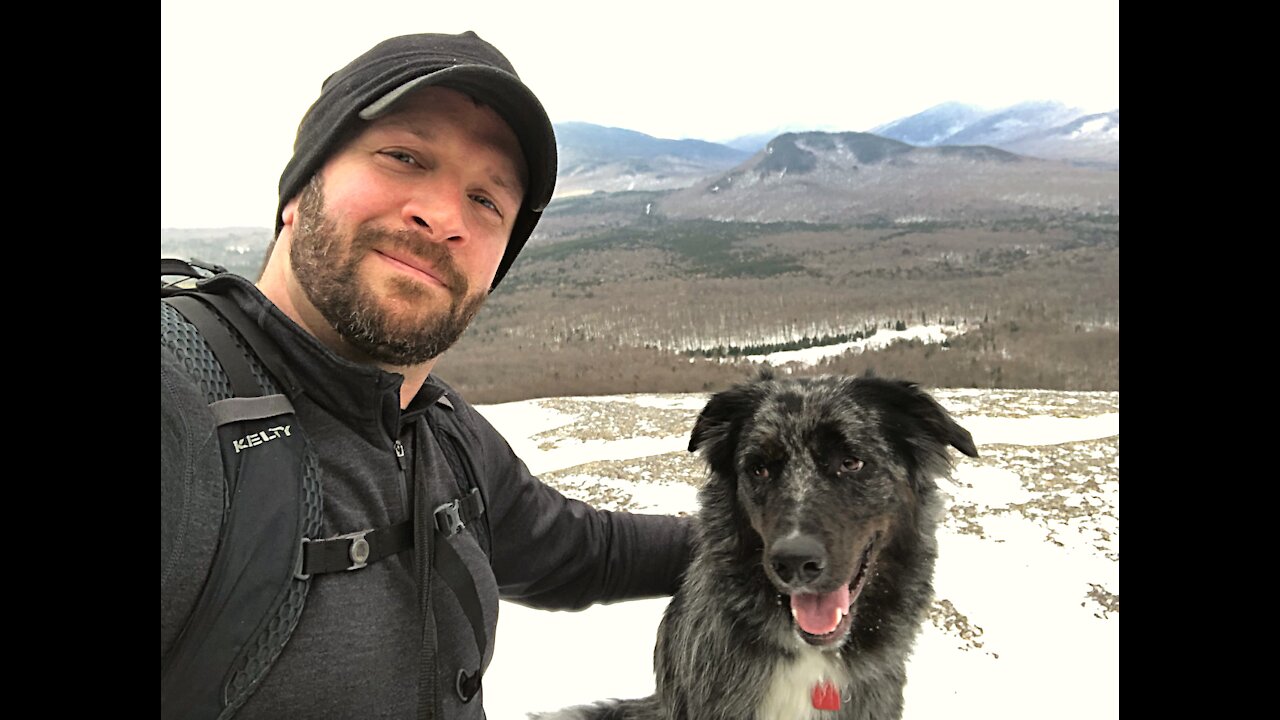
(356, 550)
(353, 550)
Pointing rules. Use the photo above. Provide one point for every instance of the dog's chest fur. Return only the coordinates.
(789, 693)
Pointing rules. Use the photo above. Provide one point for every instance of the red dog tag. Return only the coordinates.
(825, 696)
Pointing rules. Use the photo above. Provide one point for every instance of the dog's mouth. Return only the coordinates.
(824, 618)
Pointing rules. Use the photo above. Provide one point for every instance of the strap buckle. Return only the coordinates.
(449, 518)
(211, 268)
(358, 551)
(297, 565)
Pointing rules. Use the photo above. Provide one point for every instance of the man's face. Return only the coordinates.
(397, 239)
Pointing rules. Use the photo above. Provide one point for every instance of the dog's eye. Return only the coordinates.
(850, 465)
(760, 471)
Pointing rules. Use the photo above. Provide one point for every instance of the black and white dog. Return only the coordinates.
(814, 558)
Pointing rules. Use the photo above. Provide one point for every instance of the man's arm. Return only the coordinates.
(553, 552)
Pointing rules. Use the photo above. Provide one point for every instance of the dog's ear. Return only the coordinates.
(721, 420)
(916, 423)
(940, 424)
(716, 419)
(961, 439)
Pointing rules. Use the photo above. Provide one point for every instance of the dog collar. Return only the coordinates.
(825, 696)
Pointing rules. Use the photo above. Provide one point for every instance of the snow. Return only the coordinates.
(1040, 429)
(1025, 638)
(647, 496)
(672, 402)
(930, 334)
(1092, 127)
(568, 454)
(999, 486)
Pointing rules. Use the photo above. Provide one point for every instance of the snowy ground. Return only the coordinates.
(1026, 622)
(928, 334)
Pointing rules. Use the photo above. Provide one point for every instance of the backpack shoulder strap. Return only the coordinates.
(452, 518)
(454, 434)
(201, 315)
(253, 597)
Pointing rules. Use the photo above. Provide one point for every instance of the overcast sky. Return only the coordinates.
(237, 75)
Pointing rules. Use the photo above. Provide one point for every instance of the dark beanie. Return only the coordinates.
(371, 84)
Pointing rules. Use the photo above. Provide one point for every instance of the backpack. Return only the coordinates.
(269, 547)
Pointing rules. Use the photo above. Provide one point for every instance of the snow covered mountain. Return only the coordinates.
(597, 158)
(1090, 139)
(1049, 130)
(594, 157)
(858, 177)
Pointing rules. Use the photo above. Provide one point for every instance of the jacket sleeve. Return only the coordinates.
(556, 553)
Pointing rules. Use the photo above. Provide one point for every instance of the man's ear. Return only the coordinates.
(289, 213)
(288, 216)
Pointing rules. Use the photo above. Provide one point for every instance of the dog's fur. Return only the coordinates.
(815, 485)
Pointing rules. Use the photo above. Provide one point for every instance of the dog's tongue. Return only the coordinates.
(820, 613)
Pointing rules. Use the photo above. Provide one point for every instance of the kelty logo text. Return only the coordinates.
(260, 437)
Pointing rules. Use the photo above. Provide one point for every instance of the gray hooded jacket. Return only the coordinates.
(355, 651)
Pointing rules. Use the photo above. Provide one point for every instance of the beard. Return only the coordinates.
(327, 268)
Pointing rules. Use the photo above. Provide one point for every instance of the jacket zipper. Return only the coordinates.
(405, 490)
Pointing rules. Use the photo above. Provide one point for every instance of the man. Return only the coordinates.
(417, 177)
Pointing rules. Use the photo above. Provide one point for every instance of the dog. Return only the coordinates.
(813, 557)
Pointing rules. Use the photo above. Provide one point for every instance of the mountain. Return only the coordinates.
(1043, 129)
(1013, 123)
(594, 157)
(932, 126)
(755, 142)
(1090, 139)
(859, 177)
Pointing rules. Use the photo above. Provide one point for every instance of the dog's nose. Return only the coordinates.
(798, 559)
